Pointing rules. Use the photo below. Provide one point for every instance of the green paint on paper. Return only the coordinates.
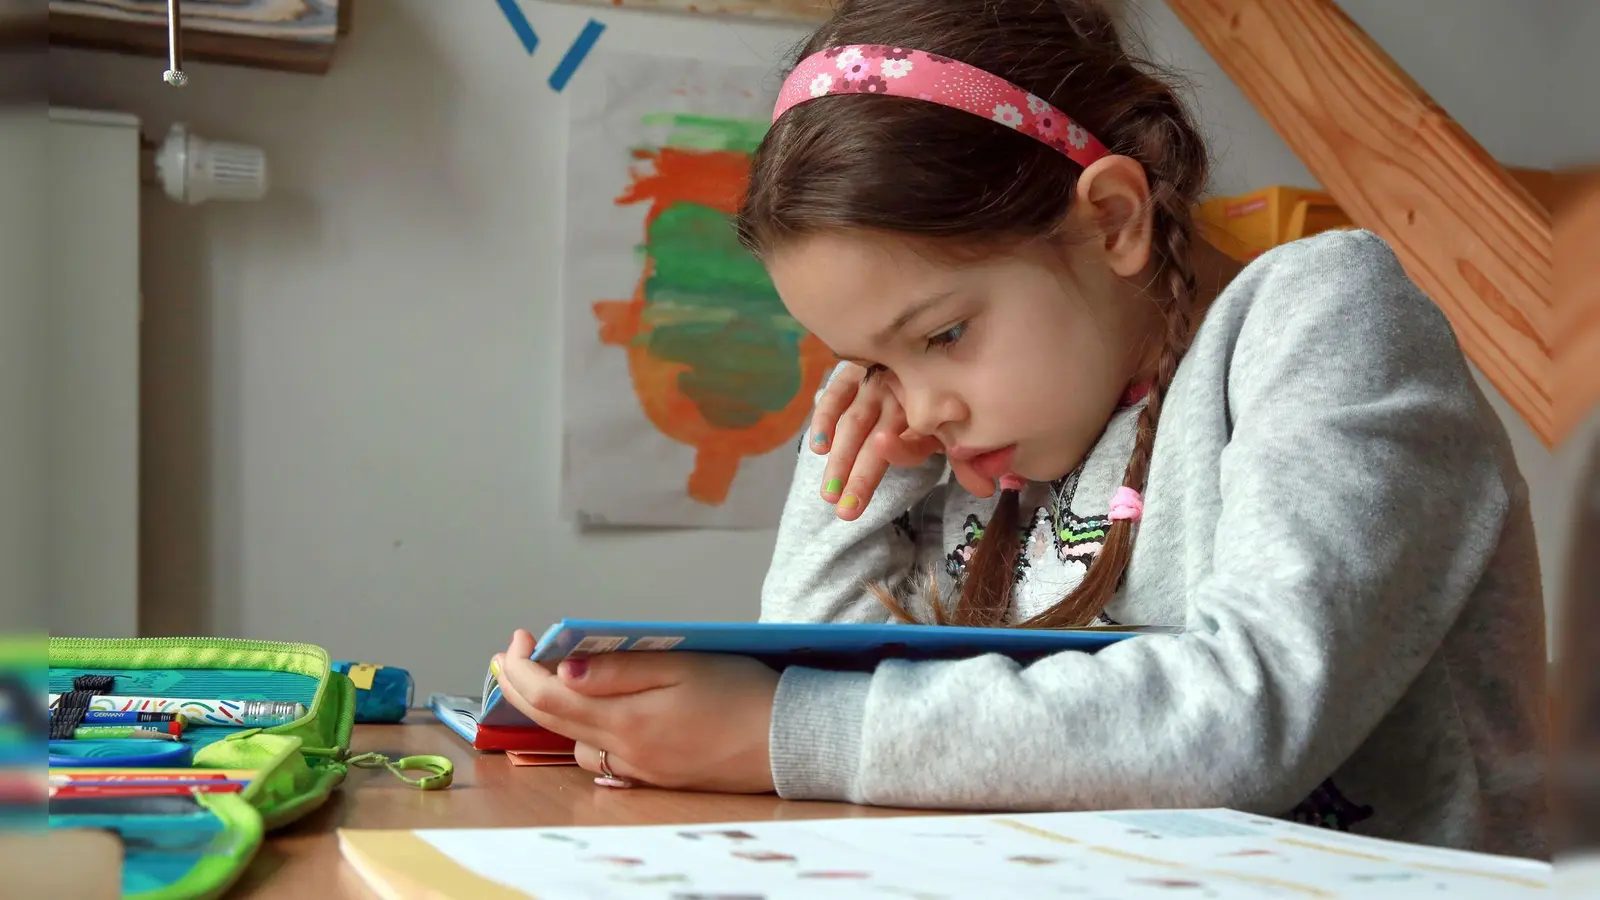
(710, 306)
(694, 132)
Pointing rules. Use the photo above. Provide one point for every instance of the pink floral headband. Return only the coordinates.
(899, 72)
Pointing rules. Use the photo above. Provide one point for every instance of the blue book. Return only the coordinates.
(834, 646)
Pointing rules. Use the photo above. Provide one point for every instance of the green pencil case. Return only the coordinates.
(191, 846)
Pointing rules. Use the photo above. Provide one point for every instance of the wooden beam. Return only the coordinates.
(1466, 231)
(1577, 315)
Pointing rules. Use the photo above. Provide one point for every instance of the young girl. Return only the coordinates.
(986, 206)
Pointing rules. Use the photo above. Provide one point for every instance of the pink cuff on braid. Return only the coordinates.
(1126, 504)
(1010, 482)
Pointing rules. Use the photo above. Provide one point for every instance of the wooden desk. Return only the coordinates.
(301, 861)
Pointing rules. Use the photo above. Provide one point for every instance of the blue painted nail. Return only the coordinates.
(819, 439)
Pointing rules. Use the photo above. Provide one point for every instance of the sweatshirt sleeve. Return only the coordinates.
(821, 564)
(1363, 478)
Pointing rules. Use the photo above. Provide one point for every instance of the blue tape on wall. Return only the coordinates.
(519, 24)
(580, 48)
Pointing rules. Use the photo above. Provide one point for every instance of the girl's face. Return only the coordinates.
(1016, 362)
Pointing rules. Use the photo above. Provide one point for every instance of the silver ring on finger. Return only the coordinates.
(608, 778)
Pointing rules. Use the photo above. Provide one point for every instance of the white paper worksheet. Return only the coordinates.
(1094, 856)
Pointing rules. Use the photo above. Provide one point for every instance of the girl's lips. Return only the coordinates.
(994, 463)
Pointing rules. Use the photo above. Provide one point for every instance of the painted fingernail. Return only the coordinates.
(494, 665)
(573, 669)
(607, 781)
(819, 440)
(834, 486)
(849, 501)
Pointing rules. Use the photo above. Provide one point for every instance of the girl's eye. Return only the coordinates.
(948, 336)
(873, 371)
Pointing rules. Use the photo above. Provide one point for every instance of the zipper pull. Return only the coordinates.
(441, 770)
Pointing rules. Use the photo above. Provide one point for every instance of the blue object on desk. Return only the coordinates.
(118, 754)
(383, 693)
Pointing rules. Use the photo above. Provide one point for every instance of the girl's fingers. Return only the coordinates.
(835, 399)
(868, 471)
(542, 697)
(878, 453)
(854, 426)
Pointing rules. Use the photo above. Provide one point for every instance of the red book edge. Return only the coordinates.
(524, 738)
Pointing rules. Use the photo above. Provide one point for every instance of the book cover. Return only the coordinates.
(834, 646)
(463, 716)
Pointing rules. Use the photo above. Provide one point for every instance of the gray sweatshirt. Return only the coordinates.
(1335, 521)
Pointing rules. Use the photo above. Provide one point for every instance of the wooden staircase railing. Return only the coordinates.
(1467, 232)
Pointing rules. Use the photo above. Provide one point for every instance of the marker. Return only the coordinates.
(120, 773)
(235, 713)
(65, 792)
(125, 717)
(58, 782)
(134, 778)
(118, 732)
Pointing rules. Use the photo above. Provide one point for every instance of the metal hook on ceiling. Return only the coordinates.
(174, 74)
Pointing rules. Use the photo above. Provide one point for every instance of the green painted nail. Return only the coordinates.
(849, 501)
(833, 486)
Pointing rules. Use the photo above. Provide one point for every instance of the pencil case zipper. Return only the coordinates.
(132, 647)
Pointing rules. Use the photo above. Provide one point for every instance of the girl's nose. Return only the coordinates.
(929, 409)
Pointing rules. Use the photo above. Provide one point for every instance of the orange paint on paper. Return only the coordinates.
(715, 360)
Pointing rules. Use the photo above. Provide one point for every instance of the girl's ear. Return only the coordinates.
(1113, 198)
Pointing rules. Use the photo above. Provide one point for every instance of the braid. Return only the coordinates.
(1100, 583)
(986, 590)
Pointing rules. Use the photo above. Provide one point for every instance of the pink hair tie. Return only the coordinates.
(1126, 504)
(1010, 482)
(918, 75)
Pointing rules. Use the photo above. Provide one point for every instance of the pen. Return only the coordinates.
(235, 713)
(142, 790)
(60, 782)
(124, 717)
(97, 732)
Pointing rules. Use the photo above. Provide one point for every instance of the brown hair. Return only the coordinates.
(960, 183)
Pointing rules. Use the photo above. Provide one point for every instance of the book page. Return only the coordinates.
(1094, 856)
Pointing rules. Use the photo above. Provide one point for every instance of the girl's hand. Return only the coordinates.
(862, 428)
(686, 721)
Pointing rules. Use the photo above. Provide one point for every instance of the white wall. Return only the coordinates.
(22, 335)
(352, 399)
(91, 362)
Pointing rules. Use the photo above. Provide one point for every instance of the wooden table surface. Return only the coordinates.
(301, 861)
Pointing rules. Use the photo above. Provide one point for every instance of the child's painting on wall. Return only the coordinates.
(687, 383)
